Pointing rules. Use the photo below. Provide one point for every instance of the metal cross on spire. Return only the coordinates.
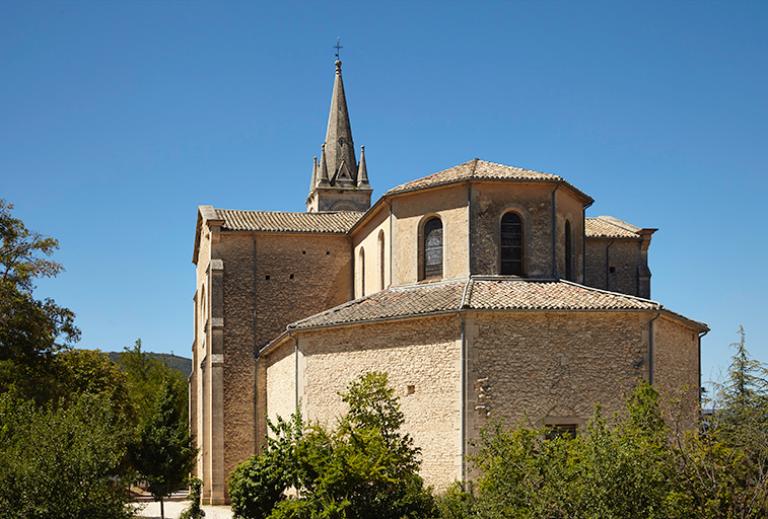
(338, 47)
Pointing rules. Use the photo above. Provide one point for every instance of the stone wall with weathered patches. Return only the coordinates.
(525, 367)
(411, 212)
(533, 202)
(281, 381)
(262, 282)
(676, 371)
(422, 359)
(570, 209)
(374, 240)
(614, 264)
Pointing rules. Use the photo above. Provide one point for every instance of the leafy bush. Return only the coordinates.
(194, 511)
(364, 468)
(61, 462)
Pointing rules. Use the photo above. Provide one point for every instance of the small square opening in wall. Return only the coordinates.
(612, 270)
(290, 277)
(266, 277)
(410, 389)
(327, 253)
(303, 252)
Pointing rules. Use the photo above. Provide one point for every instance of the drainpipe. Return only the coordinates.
(650, 347)
(701, 334)
(296, 373)
(391, 241)
(463, 404)
(554, 232)
(608, 265)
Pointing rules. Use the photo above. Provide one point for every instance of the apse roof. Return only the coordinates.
(478, 293)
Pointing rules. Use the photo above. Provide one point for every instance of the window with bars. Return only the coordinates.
(561, 431)
(511, 245)
(433, 249)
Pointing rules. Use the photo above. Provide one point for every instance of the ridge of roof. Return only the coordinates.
(332, 222)
(610, 227)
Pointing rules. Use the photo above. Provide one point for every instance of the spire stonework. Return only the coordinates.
(339, 185)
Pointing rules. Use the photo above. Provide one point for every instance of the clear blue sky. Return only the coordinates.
(118, 118)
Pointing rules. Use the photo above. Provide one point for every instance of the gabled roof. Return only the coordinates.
(477, 169)
(338, 222)
(478, 293)
(610, 227)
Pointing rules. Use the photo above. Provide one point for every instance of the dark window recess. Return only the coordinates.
(561, 431)
(568, 252)
(433, 248)
(290, 277)
(266, 277)
(612, 269)
(303, 252)
(511, 245)
(327, 253)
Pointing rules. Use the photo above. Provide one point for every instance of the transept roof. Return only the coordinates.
(282, 221)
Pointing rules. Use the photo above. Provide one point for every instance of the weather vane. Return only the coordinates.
(338, 47)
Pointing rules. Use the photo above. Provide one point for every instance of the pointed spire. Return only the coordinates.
(323, 179)
(313, 183)
(362, 170)
(340, 149)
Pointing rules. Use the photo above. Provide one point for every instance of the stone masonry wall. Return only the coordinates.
(570, 209)
(270, 280)
(422, 359)
(623, 255)
(676, 371)
(368, 237)
(535, 368)
(281, 388)
(534, 204)
(411, 212)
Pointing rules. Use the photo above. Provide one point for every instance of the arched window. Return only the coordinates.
(568, 252)
(381, 259)
(361, 270)
(433, 248)
(511, 245)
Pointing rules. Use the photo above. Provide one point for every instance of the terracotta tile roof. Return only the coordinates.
(609, 227)
(278, 221)
(479, 170)
(497, 293)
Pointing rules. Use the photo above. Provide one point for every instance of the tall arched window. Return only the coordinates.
(381, 259)
(511, 245)
(568, 252)
(433, 248)
(361, 271)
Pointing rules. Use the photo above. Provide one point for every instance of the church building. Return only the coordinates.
(483, 290)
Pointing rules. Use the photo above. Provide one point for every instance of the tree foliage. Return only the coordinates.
(363, 468)
(61, 462)
(31, 330)
(163, 453)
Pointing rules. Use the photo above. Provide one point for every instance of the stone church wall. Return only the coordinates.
(411, 212)
(280, 382)
(368, 238)
(676, 365)
(534, 204)
(535, 368)
(570, 209)
(422, 359)
(269, 281)
(613, 264)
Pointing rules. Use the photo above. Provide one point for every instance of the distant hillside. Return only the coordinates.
(182, 364)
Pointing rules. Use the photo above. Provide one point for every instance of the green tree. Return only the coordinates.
(364, 468)
(92, 372)
(146, 378)
(61, 462)
(163, 454)
(31, 330)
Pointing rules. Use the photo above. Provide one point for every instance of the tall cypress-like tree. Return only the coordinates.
(164, 454)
